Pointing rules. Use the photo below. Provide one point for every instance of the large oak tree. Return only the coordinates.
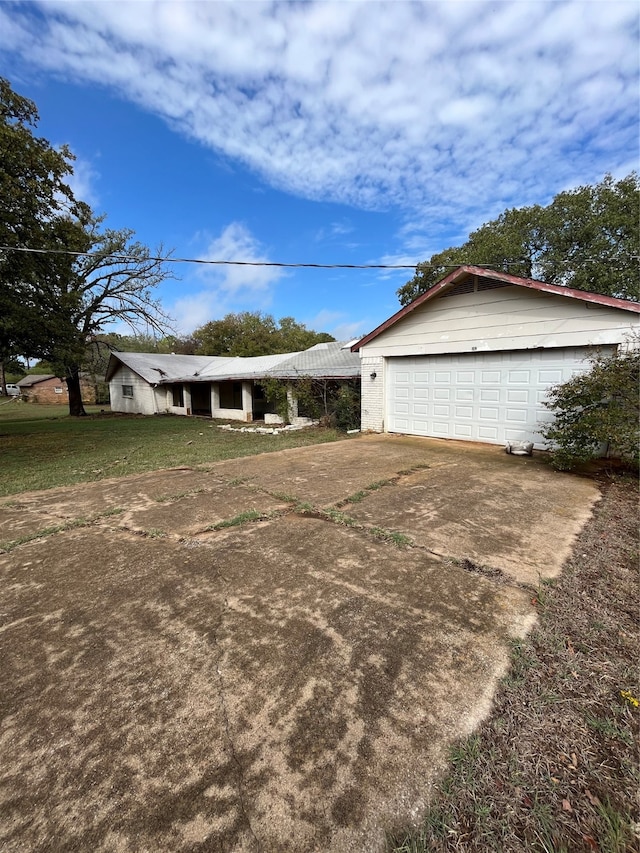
(63, 276)
(587, 238)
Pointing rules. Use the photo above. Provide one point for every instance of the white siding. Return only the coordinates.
(142, 402)
(508, 318)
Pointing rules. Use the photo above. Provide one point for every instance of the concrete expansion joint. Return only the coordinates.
(227, 729)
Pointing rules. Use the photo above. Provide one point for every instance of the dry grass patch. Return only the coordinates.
(555, 768)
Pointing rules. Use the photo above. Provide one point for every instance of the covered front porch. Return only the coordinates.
(228, 400)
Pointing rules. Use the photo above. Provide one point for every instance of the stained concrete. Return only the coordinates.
(287, 684)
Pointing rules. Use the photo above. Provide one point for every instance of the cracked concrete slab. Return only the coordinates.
(503, 512)
(193, 513)
(291, 684)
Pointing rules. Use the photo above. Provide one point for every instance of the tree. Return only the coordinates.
(595, 409)
(62, 278)
(112, 282)
(252, 333)
(35, 205)
(587, 238)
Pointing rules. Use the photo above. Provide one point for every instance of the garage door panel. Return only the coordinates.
(550, 377)
(492, 397)
(489, 414)
(490, 377)
(517, 396)
(489, 434)
(520, 377)
(463, 412)
(463, 394)
(441, 428)
(442, 377)
(516, 416)
(489, 395)
(465, 377)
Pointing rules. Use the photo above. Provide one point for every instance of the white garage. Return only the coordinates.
(486, 397)
(473, 358)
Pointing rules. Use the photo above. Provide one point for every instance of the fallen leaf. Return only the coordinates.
(590, 841)
(566, 806)
(574, 760)
(570, 648)
(592, 798)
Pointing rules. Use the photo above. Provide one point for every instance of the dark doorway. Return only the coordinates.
(201, 398)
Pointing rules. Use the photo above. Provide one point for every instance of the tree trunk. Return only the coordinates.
(76, 406)
(3, 380)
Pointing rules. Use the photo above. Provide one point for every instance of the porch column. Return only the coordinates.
(292, 403)
(186, 390)
(215, 398)
(247, 401)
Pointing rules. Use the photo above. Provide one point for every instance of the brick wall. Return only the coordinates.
(45, 392)
(372, 413)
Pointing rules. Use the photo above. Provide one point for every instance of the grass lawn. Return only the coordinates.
(42, 447)
(555, 768)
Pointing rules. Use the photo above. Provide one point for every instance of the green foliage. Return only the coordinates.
(347, 406)
(596, 408)
(52, 302)
(336, 403)
(252, 333)
(587, 238)
(37, 210)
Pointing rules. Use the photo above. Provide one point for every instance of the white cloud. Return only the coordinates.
(448, 110)
(83, 181)
(225, 288)
(337, 323)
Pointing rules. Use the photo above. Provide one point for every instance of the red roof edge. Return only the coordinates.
(481, 272)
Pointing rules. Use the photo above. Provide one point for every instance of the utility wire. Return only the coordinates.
(118, 258)
(124, 258)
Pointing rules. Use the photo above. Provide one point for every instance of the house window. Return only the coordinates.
(178, 396)
(127, 390)
(231, 395)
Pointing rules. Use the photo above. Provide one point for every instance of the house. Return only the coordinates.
(46, 388)
(474, 356)
(218, 387)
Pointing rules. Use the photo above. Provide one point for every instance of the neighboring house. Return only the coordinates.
(473, 357)
(218, 387)
(46, 388)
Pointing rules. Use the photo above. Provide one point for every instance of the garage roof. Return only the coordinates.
(463, 272)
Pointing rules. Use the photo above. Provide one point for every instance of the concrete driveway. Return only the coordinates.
(271, 654)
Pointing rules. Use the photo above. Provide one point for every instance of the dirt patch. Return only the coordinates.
(280, 685)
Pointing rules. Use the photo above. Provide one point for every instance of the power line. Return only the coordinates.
(120, 258)
(124, 258)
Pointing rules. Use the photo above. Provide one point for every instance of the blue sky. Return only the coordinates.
(351, 132)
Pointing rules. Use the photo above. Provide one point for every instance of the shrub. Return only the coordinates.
(594, 409)
(333, 402)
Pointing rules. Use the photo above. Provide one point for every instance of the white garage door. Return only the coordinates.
(492, 397)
